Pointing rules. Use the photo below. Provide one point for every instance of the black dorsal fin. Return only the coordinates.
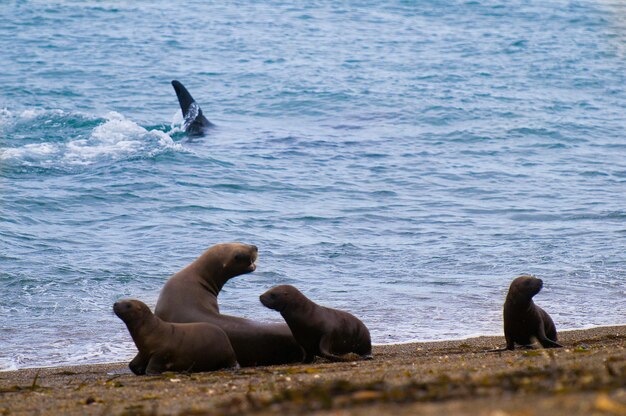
(195, 122)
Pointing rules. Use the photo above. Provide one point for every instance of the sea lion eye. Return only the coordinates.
(273, 295)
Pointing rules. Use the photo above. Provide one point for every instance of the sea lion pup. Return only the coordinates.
(191, 296)
(164, 346)
(321, 331)
(523, 320)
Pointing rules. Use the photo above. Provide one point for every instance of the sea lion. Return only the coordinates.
(195, 123)
(191, 296)
(321, 331)
(523, 320)
(164, 346)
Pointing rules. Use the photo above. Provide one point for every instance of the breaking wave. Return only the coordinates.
(90, 140)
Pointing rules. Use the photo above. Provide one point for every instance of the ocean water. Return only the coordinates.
(403, 160)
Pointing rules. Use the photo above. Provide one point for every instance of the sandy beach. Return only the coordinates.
(587, 377)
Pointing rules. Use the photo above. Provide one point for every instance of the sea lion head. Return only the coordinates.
(280, 297)
(131, 311)
(525, 287)
(233, 259)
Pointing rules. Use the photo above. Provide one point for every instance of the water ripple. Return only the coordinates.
(425, 152)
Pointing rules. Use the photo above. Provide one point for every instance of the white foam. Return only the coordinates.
(9, 118)
(116, 138)
(30, 150)
(5, 117)
(7, 364)
(117, 128)
(37, 112)
(177, 124)
(166, 141)
(94, 353)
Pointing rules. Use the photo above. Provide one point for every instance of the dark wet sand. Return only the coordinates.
(587, 377)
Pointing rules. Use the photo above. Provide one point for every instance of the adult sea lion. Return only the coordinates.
(523, 320)
(191, 296)
(195, 123)
(164, 346)
(321, 331)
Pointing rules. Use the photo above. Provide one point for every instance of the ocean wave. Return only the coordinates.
(20, 123)
(68, 353)
(115, 138)
(177, 125)
(8, 364)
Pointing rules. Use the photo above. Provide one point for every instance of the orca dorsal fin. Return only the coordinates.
(195, 122)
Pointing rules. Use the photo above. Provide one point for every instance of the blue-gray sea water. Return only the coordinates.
(403, 160)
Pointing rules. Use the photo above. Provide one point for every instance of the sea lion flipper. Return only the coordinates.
(510, 343)
(543, 339)
(333, 357)
(157, 364)
(325, 344)
(548, 343)
(138, 364)
(548, 325)
(308, 358)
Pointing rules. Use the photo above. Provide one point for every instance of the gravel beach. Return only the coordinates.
(586, 377)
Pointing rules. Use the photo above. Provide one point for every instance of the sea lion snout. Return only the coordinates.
(120, 307)
(536, 285)
(278, 297)
(228, 259)
(248, 258)
(264, 298)
(268, 299)
(240, 258)
(130, 309)
(252, 258)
